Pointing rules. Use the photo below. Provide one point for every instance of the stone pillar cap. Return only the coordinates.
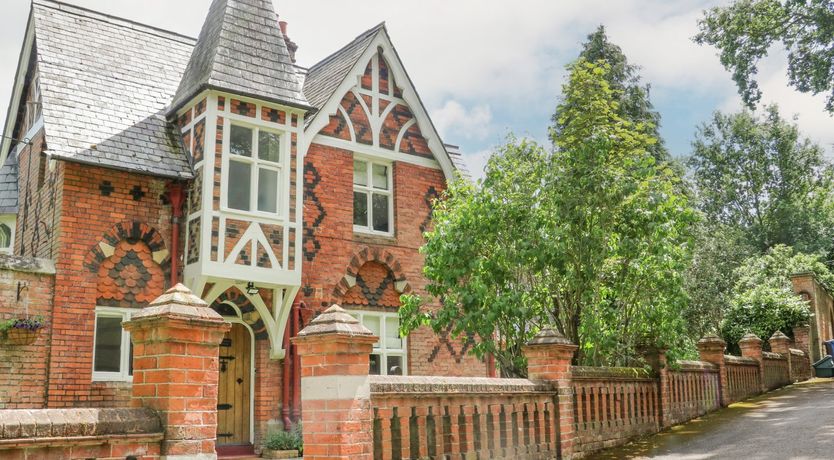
(335, 320)
(550, 336)
(711, 339)
(181, 302)
(778, 335)
(750, 338)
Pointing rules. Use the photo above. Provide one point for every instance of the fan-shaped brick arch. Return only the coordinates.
(131, 263)
(378, 257)
(248, 313)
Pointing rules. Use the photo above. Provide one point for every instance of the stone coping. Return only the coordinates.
(740, 360)
(27, 264)
(610, 373)
(772, 355)
(32, 424)
(796, 352)
(395, 385)
(696, 366)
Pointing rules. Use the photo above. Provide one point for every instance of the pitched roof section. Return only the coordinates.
(8, 185)
(457, 159)
(241, 50)
(106, 84)
(325, 76)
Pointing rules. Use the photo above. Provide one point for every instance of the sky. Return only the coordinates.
(487, 68)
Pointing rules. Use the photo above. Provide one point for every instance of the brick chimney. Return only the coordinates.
(291, 46)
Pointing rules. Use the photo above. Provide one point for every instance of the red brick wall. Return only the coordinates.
(23, 367)
(330, 246)
(95, 201)
(39, 202)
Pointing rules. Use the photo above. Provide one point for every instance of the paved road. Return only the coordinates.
(792, 423)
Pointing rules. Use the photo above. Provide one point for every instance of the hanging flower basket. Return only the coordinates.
(22, 331)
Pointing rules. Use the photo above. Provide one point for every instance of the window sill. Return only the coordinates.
(376, 238)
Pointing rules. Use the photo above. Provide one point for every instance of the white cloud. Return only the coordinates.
(455, 120)
(476, 162)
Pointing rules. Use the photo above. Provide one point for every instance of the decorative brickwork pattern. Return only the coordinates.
(199, 141)
(247, 109)
(374, 287)
(195, 193)
(273, 115)
(315, 214)
(248, 313)
(194, 230)
(358, 118)
(337, 127)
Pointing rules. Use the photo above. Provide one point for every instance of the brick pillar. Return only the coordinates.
(176, 343)
(656, 357)
(335, 387)
(711, 349)
(802, 339)
(549, 357)
(751, 347)
(780, 343)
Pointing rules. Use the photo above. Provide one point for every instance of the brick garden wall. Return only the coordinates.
(331, 246)
(23, 368)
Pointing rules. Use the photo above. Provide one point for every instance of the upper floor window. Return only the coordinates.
(388, 356)
(373, 210)
(112, 350)
(254, 169)
(5, 238)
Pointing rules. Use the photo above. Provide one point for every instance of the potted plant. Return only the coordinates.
(22, 331)
(284, 444)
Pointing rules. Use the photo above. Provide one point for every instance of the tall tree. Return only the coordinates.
(591, 238)
(630, 94)
(744, 31)
(759, 176)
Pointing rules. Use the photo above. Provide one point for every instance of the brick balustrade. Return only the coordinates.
(561, 410)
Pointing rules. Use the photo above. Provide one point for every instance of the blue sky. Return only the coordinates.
(485, 68)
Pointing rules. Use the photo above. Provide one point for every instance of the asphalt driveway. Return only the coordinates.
(796, 422)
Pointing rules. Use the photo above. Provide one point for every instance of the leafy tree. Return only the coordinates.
(763, 299)
(630, 94)
(590, 238)
(745, 30)
(757, 175)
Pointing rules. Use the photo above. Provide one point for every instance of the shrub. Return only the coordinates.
(286, 440)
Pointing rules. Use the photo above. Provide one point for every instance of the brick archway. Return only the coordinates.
(359, 259)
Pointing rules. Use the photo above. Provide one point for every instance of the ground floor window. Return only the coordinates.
(112, 349)
(389, 354)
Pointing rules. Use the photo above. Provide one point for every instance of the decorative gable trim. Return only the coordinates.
(410, 98)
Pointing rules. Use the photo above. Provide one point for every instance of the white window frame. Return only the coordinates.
(379, 347)
(256, 164)
(124, 360)
(370, 191)
(10, 223)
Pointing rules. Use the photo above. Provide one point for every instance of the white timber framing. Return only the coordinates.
(17, 91)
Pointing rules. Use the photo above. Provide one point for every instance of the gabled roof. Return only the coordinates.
(457, 159)
(8, 186)
(241, 50)
(324, 77)
(106, 84)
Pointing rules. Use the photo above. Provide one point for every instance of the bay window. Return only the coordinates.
(373, 210)
(254, 170)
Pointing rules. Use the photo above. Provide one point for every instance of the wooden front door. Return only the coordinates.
(234, 389)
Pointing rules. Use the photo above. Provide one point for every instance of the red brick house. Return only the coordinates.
(134, 158)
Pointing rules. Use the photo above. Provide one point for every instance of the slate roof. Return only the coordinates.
(241, 50)
(8, 185)
(325, 76)
(106, 84)
(457, 160)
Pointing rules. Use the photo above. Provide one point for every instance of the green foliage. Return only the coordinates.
(590, 238)
(745, 30)
(286, 440)
(763, 299)
(757, 176)
(31, 324)
(629, 93)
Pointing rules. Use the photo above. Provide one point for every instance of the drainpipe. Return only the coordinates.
(285, 374)
(296, 362)
(176, 195)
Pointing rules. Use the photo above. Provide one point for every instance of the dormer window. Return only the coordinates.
(254, 169)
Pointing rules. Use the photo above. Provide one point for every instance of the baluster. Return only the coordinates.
(483, 436)
(385, 417)
(421, 412)
(468, 428)
(405, 430)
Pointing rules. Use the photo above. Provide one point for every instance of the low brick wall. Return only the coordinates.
(26, 289)
(80, 433)
(613, 405)
(800, 365)
(776, 370)
(435, 417)
(693, 390)
(743, 377)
